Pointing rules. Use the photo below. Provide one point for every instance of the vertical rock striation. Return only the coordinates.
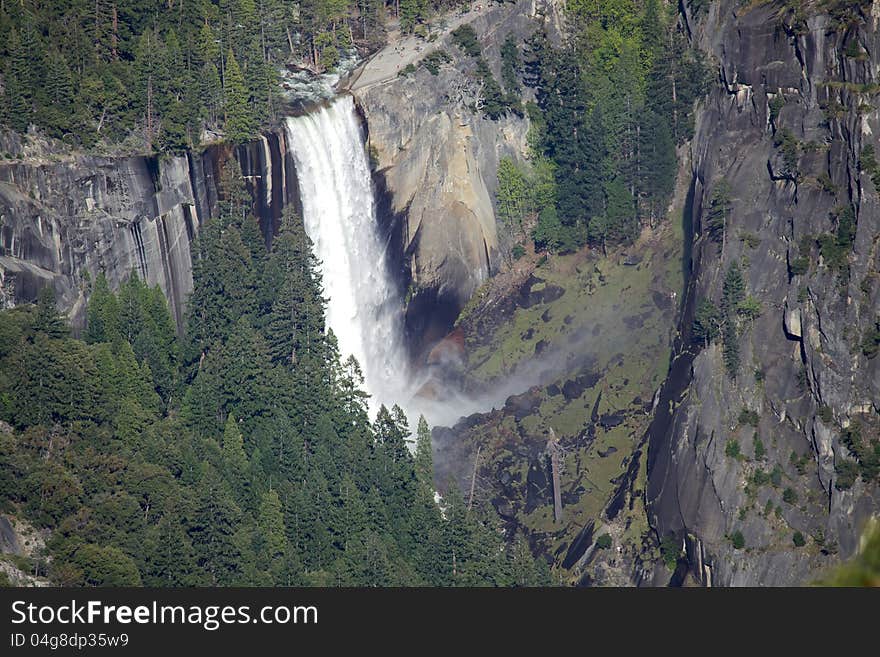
(64, 219)
(784, 129)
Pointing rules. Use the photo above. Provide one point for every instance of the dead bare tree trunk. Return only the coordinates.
(474, 478)
(553, 449)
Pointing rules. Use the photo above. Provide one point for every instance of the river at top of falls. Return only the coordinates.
(363, 303)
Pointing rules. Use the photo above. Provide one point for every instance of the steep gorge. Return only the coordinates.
(783, 130)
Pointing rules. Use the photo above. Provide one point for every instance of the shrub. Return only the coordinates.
(789, 496)
(406, 71)
(433, 61)
(751, 240)
(748, 416)
(798, 540)
(738, 540)
(603, 542)
(799, 266)
(853, 50)
(835, 247)
(847, 471)
(776, 475)
(670, 549)
(760, 452)
(871, 341)
(732, 449)
(465, 37)
(707, 322)
(786, 142)
(750, 308)
(776, 104)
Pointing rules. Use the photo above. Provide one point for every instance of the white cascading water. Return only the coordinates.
(363, 307)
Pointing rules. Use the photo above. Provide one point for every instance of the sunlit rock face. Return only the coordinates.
(437, 160)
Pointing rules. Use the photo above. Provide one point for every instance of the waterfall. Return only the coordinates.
(363, 307)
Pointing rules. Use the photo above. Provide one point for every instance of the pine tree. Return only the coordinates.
(733, 292)
(18, 84)
(47, 319)
(273, 536)
(658, 162)
(102, 315)
(424, 460)
(236, 466)
(512, 196)
(295, 324)
(240, 123)
(213, 528)
(170, 558)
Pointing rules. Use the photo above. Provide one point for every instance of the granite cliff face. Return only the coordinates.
(437, 160)
(66, 218)
(784, 130)
(63, 217)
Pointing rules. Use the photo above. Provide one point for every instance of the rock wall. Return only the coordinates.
(64, 219)
(802, 367)
(437, 161)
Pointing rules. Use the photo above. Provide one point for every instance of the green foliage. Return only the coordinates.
(411, 13)
(777, 102)
(260, 467)
(548, 233)
(733, 294)
(789, 496)
(799, 266)
(750, 308)
(718, 212)
(760, 477)
(760, 450)
(732, 449)
(603, 542)
(240, 121)
(670, 549)
(798, 540)
(407, 70)
(776, 476)
(749, 416)
(789, 146)
(871, 340)
(738, 540)
(835, 248)
(847, 472)
(465, 37)
(434, 60)
(153, 76)
(868, 164)
(707, 322)
(511, 64)
(865, 448)
(512, 198)
(614, 103)
(864, 568)
(854, 50)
